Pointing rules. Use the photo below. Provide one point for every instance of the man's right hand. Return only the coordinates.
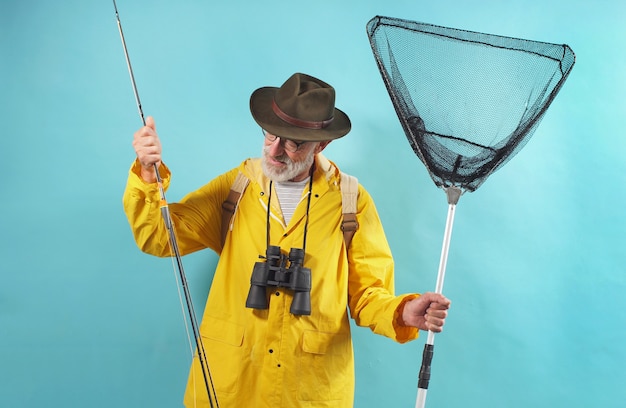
(148, 149)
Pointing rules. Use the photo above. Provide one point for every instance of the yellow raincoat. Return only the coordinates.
(271, 358)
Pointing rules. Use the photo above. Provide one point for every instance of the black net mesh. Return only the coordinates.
(467, 101)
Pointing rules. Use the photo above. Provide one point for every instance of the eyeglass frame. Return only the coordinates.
(286, 143)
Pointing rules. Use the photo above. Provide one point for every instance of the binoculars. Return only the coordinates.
(281, 271)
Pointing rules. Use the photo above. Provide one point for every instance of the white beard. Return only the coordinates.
(291, 171)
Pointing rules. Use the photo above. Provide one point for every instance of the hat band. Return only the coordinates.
(307, 124)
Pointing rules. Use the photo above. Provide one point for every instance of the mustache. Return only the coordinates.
(283, 158)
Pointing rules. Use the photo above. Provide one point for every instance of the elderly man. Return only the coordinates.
(261, 349)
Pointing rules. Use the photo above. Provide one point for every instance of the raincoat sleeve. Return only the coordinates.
(371, 277)
(196, 218)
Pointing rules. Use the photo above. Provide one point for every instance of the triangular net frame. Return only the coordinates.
(467, 102)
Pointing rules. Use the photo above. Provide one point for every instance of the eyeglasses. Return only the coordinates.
(289, 145)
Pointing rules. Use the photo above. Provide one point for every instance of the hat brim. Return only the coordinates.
(261, 108)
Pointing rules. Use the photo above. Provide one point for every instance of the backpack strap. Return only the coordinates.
(230, 205)
(349, 193)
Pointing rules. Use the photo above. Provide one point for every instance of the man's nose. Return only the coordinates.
(276, 147)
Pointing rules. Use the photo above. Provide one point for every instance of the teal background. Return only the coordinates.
(536, 265)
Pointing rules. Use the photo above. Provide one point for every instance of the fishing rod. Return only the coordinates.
(165, 212)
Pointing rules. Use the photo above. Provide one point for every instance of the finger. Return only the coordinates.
(145, 149)
(150, 122)
(438, 306)
(435, 324)
(433, 328)
(439, 314)
(436, 297)
(144, 137)
(440, 301)
(148, 150)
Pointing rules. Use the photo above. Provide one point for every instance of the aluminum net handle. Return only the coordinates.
(453, 194)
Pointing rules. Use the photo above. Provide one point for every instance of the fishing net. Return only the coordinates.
(467, 101)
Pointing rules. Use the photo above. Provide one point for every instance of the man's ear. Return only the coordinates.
(321, 146)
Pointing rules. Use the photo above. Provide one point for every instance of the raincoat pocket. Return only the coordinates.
(223, 345)
(325, 366)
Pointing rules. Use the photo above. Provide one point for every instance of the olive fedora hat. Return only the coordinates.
(303, 108)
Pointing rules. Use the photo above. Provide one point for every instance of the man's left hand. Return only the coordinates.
(427, 312)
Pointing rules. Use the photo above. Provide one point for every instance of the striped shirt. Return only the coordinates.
(289, 196)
